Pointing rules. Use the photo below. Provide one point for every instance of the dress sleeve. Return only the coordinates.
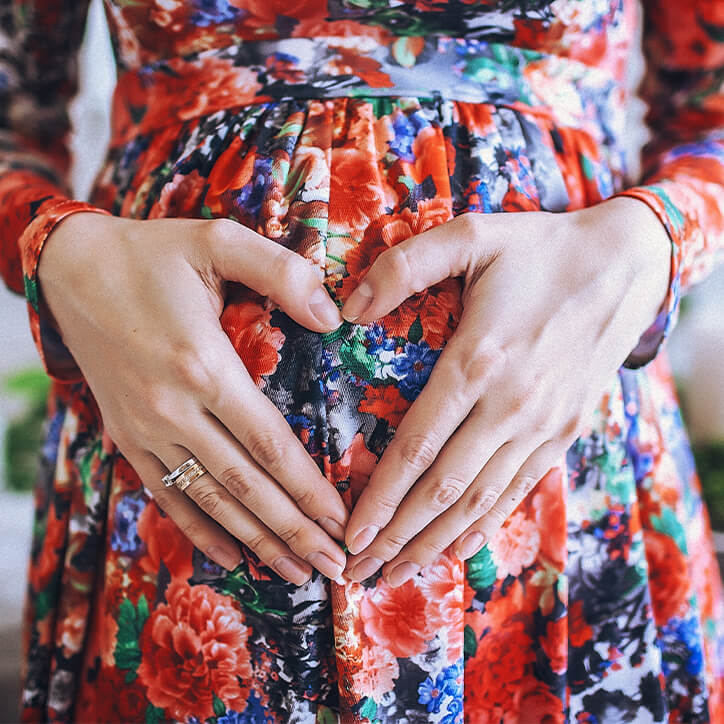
(683, 164)
(39, 40)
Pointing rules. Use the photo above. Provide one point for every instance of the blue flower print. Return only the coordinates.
(431, 693)
(125, 537)
(213, 12)
(413, 367)
(377, 339)
(253, 714)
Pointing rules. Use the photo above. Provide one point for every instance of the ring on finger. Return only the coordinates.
(184, 474)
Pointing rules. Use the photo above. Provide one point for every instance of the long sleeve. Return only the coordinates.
(684, 162)
(39, 40)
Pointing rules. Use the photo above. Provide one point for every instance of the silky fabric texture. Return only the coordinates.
(599, 600)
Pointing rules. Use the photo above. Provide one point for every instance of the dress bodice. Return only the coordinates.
(149, 30)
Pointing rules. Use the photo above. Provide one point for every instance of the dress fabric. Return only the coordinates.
(339, 129)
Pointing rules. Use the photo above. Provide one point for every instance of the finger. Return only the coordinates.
(479, 497)
(241, 255)
(535, 468)
(460, 528)
(203, 532)
(223, 385)
(237, 489)
(461, 376)
(465, 454)
(229, 514)
(448, 250)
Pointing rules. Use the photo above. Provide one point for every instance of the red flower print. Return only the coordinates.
(377, 672)
(386, 402)
(538, 705)
(515, 546)
(442, 582)
(47, 562)
(555, 644)
(128, 700)
(579, 632)
(180, 197)
(165, 543)
(549, 511)
(356, 464)
(397, 618)
(669, 580)
(356, 188)
(194, 647)
(248, 324)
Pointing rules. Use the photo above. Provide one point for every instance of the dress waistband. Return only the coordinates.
(185, 87)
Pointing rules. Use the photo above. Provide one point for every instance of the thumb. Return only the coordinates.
(454, 248)
(241, 255)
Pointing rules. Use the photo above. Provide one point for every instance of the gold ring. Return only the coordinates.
(184, 474)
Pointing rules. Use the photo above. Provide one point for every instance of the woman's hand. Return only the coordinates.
(553, 305)
(138, 305)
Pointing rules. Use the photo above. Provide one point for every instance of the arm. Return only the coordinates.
(38, 78)
(683, 180)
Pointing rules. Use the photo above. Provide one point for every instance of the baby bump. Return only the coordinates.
(339, 182)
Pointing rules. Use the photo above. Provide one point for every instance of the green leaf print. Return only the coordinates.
(369, 709)
(85, 468)
(470, 642)
(353, 355)
(402, 53)
(415, 333)
(131, 620)
(482, 572)
(154, 715)
(325, 715)
(238, 585)
(219, 708)
(669, 524)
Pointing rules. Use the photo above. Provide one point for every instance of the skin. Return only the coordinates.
(501, 406)
(138, 305)
(518, 379)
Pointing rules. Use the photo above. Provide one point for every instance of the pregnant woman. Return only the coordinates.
(333, 434)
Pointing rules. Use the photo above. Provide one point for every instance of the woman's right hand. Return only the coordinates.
(138, 305)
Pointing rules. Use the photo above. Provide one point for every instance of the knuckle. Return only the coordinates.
(497, 514)
(192, 529)
(306, 498)
(238, 484)
(417, 451)
(288, 269)
(399, 266)
(293, 536)
(480, 502)
(447, 491)
(210, 501)
(485, 362)
(394, 543)
(525, 482)
(267, 450)
(219, 231)
(258, 542)
(431, 548)
(196, 367)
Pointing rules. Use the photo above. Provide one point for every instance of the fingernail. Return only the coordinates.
(224, 557)
(332, 527)
(291, 570)
(325, 564)
(365, 568)
(324, 309)
(363, 539)
(470, 545)
(358, 302)
(340, 581)
(399, 574)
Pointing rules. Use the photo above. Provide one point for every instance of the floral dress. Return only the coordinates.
(339, 128)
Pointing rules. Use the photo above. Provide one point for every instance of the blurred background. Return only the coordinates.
(696, 349)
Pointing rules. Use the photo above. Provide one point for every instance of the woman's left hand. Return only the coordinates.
(552, 306)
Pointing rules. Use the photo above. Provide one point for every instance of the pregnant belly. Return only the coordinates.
(340, 181)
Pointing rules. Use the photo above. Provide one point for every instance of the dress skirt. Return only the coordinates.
(598, 601)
